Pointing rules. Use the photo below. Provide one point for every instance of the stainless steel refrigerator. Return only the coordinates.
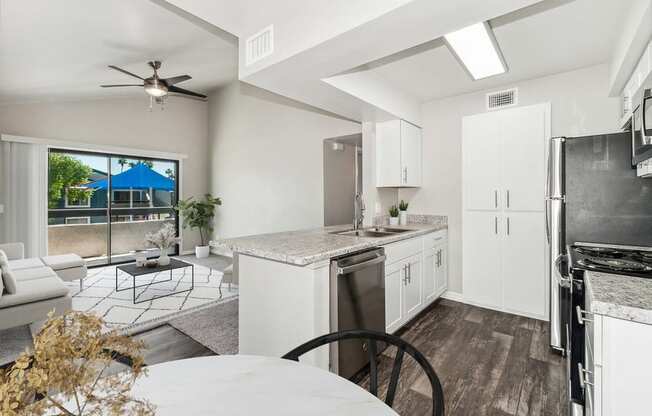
(594, 196)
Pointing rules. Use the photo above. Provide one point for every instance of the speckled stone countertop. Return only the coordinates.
(619, 296)
(310, 246)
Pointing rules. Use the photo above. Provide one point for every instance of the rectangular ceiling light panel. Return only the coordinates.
(477, 50)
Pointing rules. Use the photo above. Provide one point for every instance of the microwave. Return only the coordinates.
(642, 129)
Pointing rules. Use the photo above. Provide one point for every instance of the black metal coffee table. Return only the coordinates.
(134, 271)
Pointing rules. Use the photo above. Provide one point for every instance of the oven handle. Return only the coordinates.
(360, 266)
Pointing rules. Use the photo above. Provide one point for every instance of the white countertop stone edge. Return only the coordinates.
(616, 309)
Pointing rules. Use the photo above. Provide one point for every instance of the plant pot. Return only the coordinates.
(402, 217)
(393, 220)
(163, 259)
(202, 251)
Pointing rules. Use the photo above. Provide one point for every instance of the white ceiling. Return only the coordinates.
(547, 38)
(61, 49)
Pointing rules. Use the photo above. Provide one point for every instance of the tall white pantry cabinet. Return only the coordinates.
(504, 243)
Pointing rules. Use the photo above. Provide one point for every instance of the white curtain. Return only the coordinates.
(23, 192)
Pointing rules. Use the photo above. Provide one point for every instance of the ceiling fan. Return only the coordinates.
(156, 87)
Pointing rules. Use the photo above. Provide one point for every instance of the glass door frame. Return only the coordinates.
(109, 194)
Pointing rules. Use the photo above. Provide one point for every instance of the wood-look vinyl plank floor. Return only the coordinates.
(489, 363)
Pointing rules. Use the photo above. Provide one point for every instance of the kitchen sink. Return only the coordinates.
(372, 232)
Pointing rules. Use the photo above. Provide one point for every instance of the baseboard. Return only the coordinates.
(455, 296)
(459, 297)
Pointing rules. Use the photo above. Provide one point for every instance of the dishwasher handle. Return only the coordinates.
(360, 266)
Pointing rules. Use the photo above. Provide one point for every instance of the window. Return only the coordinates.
(77, 220)
(77, 201)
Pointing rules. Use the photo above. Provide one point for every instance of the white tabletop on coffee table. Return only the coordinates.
(252, 385)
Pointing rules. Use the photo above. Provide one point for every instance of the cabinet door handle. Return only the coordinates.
(507, 225)
(409, 269)
(496, 225)
(580, 315)
(405, 174)
(507, 198)
(496, 198)
(405, 275)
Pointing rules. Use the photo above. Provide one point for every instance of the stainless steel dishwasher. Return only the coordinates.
(357, 296)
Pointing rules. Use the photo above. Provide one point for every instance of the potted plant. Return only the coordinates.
(393, 215)
(199, 214)
(67, 373)
(163, 239)
(402, 207)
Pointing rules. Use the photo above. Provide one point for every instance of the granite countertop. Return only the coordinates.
(619, 296)
(310, 246)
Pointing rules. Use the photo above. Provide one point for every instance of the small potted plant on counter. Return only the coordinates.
(200, 214)
(402, 207)
(393, 215)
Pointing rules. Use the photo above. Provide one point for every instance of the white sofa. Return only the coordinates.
(39, 286)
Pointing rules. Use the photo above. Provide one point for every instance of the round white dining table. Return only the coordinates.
(252, 385)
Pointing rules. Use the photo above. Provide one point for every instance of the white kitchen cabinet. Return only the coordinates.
(482, 278)
(481, 159)
(523, 163)
(523, 263)
(441, 270)
(412, 281)
(393, 296)
(617, 366)
(415, 276)
(503, 201)
(429, 272)
(398, 154)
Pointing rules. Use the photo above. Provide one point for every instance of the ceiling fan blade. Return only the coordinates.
(125, 72)
(121, 85)
(177, 79)
(172, 88)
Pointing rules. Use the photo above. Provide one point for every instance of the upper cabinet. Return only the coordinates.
(398, 154)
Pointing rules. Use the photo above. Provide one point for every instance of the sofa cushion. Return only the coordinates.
(9, 281)
(63, 261)
(29, 263)
(32, 274)
(4, 260)
(28, 291)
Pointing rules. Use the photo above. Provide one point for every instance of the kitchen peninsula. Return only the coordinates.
(284, 280)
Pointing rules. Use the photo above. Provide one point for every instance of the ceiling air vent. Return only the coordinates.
(260, 45)
(501, 99)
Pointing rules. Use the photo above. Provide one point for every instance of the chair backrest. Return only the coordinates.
(373, 337)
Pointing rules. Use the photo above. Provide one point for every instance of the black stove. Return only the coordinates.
(627, 261)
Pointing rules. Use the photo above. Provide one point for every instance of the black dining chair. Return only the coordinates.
(373, 337)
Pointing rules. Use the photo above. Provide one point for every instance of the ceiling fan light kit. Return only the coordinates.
(158, 88)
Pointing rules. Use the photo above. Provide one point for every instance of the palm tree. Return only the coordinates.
(122, 162)
(170, 173)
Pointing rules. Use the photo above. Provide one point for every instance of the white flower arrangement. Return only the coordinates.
(164, 238)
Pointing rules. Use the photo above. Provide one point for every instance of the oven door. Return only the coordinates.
(576, 355)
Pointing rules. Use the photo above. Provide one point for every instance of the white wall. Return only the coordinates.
(266, 158)
(580, 106)
(182, 127)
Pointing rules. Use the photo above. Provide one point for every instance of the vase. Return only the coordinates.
(163, 259)
(402, 218)
(202, 251)
(393, 220)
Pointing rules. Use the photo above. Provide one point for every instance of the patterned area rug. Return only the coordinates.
(117, 308)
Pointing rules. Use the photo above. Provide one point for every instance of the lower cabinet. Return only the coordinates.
(616, 368)
(415, 276)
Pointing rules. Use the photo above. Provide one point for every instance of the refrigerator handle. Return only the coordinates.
(547, 202)
(549, 170)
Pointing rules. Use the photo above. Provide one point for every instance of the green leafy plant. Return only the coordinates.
(199, 214)
(66, 174)
(403, 206)
(393, 211)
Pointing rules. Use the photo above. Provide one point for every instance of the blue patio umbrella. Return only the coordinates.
(138, 177)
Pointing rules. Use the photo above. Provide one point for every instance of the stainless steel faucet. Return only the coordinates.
(358, 211)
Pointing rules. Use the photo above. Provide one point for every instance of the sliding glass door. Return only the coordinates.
(101, 206)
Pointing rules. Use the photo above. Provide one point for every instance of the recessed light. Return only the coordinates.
(476, 49)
